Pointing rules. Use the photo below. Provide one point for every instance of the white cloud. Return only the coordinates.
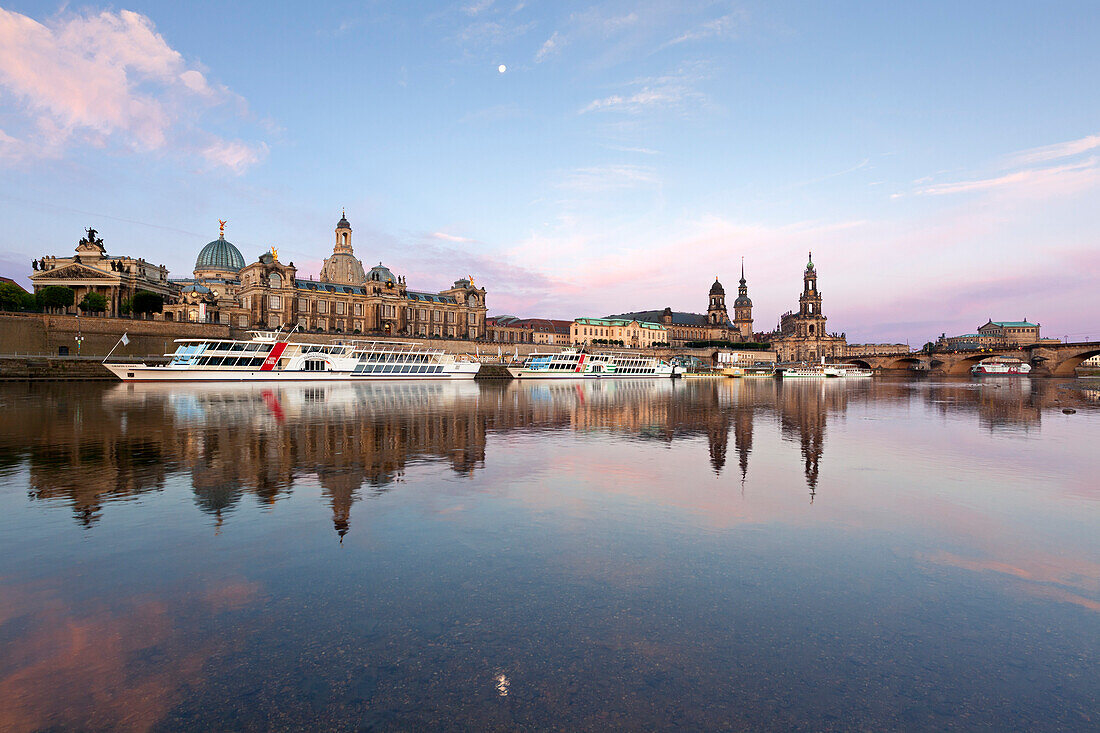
(722, 27)
(1054, 152)
(551, 46)
(608, 178)
(451, 238)
(108, 80)
(1055, 180)
(647, 97)
(235, 155)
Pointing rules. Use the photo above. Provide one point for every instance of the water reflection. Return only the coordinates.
(697, 554)
(90, 446)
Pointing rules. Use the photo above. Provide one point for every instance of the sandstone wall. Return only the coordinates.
(44, 333)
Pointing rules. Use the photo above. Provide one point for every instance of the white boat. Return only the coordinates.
(847, 370)
(577, 364)
(802, 371)
(761, 369)
(1006, 368)
(267, 358)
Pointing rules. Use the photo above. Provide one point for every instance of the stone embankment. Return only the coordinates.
(46, 346)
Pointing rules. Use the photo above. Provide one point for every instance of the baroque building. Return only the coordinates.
(92, 270)
(345, 299)
(801, 335)
(714, 325)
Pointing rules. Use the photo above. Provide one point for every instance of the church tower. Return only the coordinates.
(717, 317)
(742, 309)
(342, 266)
(809, 303)
(343, 235)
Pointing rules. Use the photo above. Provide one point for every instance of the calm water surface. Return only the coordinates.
(720, 554)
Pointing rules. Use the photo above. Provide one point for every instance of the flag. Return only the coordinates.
(125, 339)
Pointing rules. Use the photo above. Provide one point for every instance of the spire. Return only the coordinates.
(742, 270)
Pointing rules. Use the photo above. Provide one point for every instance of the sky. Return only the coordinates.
(941, 160)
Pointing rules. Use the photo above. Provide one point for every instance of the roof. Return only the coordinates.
(617, 322)
(542, 325)
(1014, 324)
(323, 287)
(220, 254)
(429, 297)
(679, 318)
(9, 280)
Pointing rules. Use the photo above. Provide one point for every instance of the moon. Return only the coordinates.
(502, 68)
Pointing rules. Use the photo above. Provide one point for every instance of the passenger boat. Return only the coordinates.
(760, 369)
(577, 364)
(847, 370)
(1000, 368)
(802, 371)
(265, 357)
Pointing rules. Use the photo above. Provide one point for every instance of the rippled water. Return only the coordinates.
(712, 554)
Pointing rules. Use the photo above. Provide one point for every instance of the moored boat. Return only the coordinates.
(1001, 368)
(847, 370)
(577, 364)
(802, 371)
(267, 358)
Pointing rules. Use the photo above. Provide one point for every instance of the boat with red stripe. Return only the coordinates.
(268, 357)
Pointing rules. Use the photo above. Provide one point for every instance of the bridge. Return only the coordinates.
(1046, 360)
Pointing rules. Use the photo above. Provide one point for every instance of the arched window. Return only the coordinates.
(811, 328)
(275, 280)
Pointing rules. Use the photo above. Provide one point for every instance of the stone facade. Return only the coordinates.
(510, 329)
(714, 325)
(802, 335)
(631, 332)
(992, 335)
(346, 299)
(876, 349)
(92, 270)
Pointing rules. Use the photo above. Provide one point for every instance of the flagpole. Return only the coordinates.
(114, 347)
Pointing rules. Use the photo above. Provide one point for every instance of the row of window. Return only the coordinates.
(227, 361)
(398, 369)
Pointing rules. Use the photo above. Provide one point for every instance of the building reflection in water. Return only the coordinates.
(94, 444)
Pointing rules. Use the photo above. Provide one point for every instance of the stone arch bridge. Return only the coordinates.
(1046, 360)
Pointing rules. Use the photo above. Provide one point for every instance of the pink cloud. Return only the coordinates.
(1055, 151)
(1054, 181)
(107, 79)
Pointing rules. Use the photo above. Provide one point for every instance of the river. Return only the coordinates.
(710, 554)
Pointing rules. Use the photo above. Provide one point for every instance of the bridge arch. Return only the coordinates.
(903, 362)
(1067, 366)
(965, 362)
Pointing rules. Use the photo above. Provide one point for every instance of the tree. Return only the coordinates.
(929, 348)
(145, 302)
(15, 298)
(93, 303)
(56, 296)
(126, 306)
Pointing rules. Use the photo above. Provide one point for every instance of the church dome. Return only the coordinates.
(380, 273)
(716, 288)
(743, 301)
(220, 255)
(343, 268)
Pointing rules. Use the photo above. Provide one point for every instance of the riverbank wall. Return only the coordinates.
(49, 346)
